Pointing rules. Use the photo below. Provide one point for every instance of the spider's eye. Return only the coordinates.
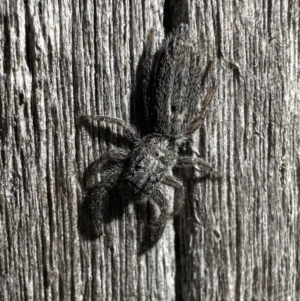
(174, 108)
(159, 156)
(138, 168)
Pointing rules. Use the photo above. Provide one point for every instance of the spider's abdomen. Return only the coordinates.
(175, 84)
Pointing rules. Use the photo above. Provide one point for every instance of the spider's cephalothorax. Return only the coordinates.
(169, 85)
(151, 158)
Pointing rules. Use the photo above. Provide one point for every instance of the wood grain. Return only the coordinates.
(234, 240)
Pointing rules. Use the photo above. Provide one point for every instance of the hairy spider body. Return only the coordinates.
(169, 87)
(151, 158)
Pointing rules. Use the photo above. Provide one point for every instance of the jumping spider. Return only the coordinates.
(169, 86)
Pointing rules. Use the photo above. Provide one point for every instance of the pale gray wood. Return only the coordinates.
(245, 243)
(235, 240)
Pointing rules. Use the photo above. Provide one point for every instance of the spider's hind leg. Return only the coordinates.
(156, 224)
(186, 161)
(129, 131)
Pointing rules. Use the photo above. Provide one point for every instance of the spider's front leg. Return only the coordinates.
(94, 210)
(179, 192)
(192, 162)
(129, 131)
(157, 225)
(106, 160)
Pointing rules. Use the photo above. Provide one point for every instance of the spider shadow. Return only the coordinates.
(112, 210)
(116, 206)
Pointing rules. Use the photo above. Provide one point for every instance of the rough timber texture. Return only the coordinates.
(235, 240)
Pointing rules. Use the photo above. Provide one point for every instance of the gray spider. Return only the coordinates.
(168, 86)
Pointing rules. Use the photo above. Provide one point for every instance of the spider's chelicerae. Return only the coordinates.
(169, 83)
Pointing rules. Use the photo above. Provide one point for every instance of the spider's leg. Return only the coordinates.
(106, 159)
(129, 131)
(198, 121)
(94, 210)
(192, 162)
(157, 224)
(196, 83)
(179, 192)
(206, 72)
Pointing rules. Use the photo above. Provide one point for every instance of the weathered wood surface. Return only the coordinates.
(235, 240)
